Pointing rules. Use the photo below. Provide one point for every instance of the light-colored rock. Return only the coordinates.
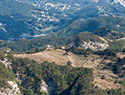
(44, 87)
(47, 88)
(6, 62)
(122, 2)
(14, 90)
(95, 46)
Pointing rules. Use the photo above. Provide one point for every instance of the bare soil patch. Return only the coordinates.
(121, 54)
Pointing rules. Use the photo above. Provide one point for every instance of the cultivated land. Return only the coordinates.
(92, 61)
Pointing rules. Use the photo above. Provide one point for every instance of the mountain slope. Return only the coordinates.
(50, 78)
(13, 16)
(29, 19)
(91, 25)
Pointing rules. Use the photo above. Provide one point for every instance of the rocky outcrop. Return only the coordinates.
(122, 2)
(13, 90)
(6, 62)
(44, 87)
(47, 88)
(95, 46)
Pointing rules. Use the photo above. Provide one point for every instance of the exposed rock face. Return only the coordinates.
(95, 46)
(122, 2)
(14, 90)
(6, 63)
(44, 88)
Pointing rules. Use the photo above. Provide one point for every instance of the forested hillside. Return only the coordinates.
(49, 78)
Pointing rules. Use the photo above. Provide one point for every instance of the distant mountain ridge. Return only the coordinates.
(36, 18)
(100, 7)
(121, 2)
